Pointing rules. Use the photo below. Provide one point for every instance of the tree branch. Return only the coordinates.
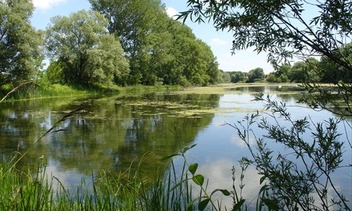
(16, 88)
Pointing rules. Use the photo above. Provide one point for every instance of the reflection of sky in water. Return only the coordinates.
(219, 148)
(68, 178)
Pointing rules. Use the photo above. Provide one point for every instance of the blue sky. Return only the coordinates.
(220, 42)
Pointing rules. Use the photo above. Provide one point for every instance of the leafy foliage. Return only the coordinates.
(301, 176)
(256, 74)
(238, 77)
(281, 28)
(87, 54)
(20, 52)
(160, 49)
(286, 29)
(331, 72)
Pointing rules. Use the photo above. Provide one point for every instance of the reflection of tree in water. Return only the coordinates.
(110, 136)
(18, 130)
(247, 89)
(160, 135)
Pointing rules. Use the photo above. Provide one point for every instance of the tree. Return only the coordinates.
(313, 67)
(160, 49)
(285, 29)
(86, 52)
(282, 72)
(332, 72)
(54, 73)
(190, 60)
(281, 27)
(298, 72)
(226, 77)
(135, 22)
(238, 76)
(256, 74)
(20, 53)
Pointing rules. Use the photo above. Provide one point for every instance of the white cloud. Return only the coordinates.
(171, 12)
(218, 41)
(46, 4)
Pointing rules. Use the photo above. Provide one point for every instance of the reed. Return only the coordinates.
(26, 190)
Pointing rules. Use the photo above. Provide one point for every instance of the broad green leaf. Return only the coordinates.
(239, 204)
(262, 179)
(198, 179)
(272, 204)
(203, 204)
(193, 168)
(223, 191)
(190, 207)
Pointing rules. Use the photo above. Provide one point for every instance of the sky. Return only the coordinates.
(220, 42)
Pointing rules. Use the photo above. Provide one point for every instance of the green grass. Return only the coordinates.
(38, 91)
(229, 88)
(26, 190)
(140, 89)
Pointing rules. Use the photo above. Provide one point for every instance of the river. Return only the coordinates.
(112, 134)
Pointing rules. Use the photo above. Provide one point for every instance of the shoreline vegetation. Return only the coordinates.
(33, 91)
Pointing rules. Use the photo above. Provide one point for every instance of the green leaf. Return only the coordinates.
(223, 191)
(193, 168)
(203, 204)
(198, 179)
(239, 204)
(272, 204)
(190, 207)
(262, 179)
(184, 150)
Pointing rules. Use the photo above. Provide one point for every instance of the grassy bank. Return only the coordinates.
(231, 88)
(37, 91)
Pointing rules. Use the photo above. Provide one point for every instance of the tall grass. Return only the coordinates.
(35, 91)
(32, 90)
(26, 190)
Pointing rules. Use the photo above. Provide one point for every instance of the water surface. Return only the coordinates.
(112, 134)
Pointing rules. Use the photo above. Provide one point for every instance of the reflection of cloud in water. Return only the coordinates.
(218, 172)
(240, 143)
(220, 177)
(70, 179)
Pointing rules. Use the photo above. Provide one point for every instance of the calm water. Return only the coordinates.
(111, 133)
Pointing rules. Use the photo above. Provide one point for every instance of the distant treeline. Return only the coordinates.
(311, 70)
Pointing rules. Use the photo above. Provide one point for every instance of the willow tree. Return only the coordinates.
(20, 54)
(191, 60)
(134, 22)
(86, 52)
(152, 43)
(285, 29)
